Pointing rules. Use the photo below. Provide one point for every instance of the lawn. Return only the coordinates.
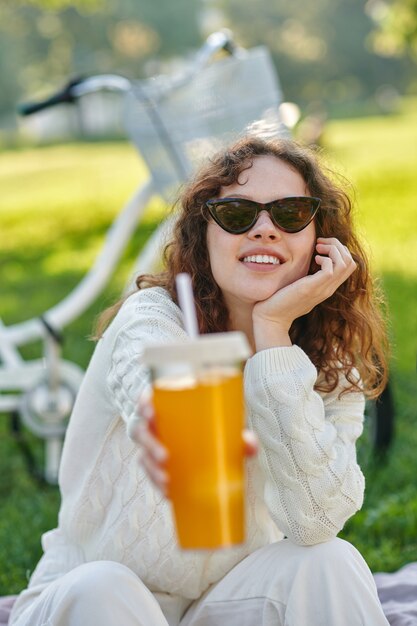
(380, 156)
(56, 204)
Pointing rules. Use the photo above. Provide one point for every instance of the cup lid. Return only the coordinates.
(210, 348)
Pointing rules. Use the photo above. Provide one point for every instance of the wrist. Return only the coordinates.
(270, 334)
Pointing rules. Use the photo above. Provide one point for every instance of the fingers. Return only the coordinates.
(333, 253)
(158, 476)
(325, 263)
(152, 455)
(145, 438)
(341, 261)
(146, 411)
(334, 246)
(251, 443)
(336, 265)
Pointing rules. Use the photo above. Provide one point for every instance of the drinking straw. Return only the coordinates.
(187, 305)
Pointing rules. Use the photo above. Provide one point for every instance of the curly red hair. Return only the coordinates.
(345, 333)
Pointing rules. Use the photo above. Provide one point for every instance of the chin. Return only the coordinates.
(259, 295)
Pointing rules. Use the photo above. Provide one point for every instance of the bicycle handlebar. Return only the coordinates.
(75, 88)
(64, 95)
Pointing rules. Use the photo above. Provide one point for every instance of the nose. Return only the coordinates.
(264, 228)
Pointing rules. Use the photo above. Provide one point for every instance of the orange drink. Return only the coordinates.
(201, 422)
(199, 412)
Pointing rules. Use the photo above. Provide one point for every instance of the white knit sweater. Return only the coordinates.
(305, 482)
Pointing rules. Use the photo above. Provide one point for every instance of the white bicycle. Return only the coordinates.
(174, 121)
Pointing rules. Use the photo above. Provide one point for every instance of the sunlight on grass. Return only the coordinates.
(57, 205)
(380, 157)
(57, 192)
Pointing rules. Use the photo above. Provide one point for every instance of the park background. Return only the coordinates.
(350, 63)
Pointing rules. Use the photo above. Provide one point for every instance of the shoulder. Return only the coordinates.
(153, 302)
(147, 313)
(151, 297)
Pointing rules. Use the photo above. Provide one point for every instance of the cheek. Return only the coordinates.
(305, 266)
(221, 245)
(305, 247)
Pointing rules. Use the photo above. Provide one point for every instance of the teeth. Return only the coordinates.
(261, 258)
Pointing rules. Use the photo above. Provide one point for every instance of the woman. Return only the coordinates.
(266, 235)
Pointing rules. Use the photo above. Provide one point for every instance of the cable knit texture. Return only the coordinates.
(305, 482)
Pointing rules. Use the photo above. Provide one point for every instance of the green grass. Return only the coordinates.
(57, 203)
(380, 156)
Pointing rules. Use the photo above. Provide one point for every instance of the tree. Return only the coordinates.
(59, 4)
(321, 49)
(395, 27)
(45, 42)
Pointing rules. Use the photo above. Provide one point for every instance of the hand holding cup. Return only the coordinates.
(153, 455)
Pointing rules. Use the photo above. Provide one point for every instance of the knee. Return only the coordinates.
(98, 578)
(325, 583)
(335, 560)
(334, 554)
(334, 549)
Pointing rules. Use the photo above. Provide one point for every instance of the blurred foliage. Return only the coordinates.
(42, 43)
(323, 50)
(59, 4)
(396, 32)
(326, 53)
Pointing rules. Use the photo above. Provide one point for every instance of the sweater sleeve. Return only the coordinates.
(307, 456)
(149, 318)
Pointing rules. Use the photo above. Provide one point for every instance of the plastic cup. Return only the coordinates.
(199, 407)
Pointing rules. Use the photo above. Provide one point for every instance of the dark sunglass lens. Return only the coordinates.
(293, 214)
(235, 216)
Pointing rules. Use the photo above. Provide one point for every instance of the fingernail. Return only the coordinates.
(161, 476)
(147, 412)
(161, 454)
(250, 437)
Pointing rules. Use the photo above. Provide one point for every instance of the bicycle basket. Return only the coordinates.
(175, 128)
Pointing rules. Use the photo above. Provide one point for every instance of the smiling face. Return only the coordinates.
(252, 266)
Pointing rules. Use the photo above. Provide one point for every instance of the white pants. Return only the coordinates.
(279, 585)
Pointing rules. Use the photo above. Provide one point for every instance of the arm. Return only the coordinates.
(307, 456)
(147, 317)
(155, 319)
